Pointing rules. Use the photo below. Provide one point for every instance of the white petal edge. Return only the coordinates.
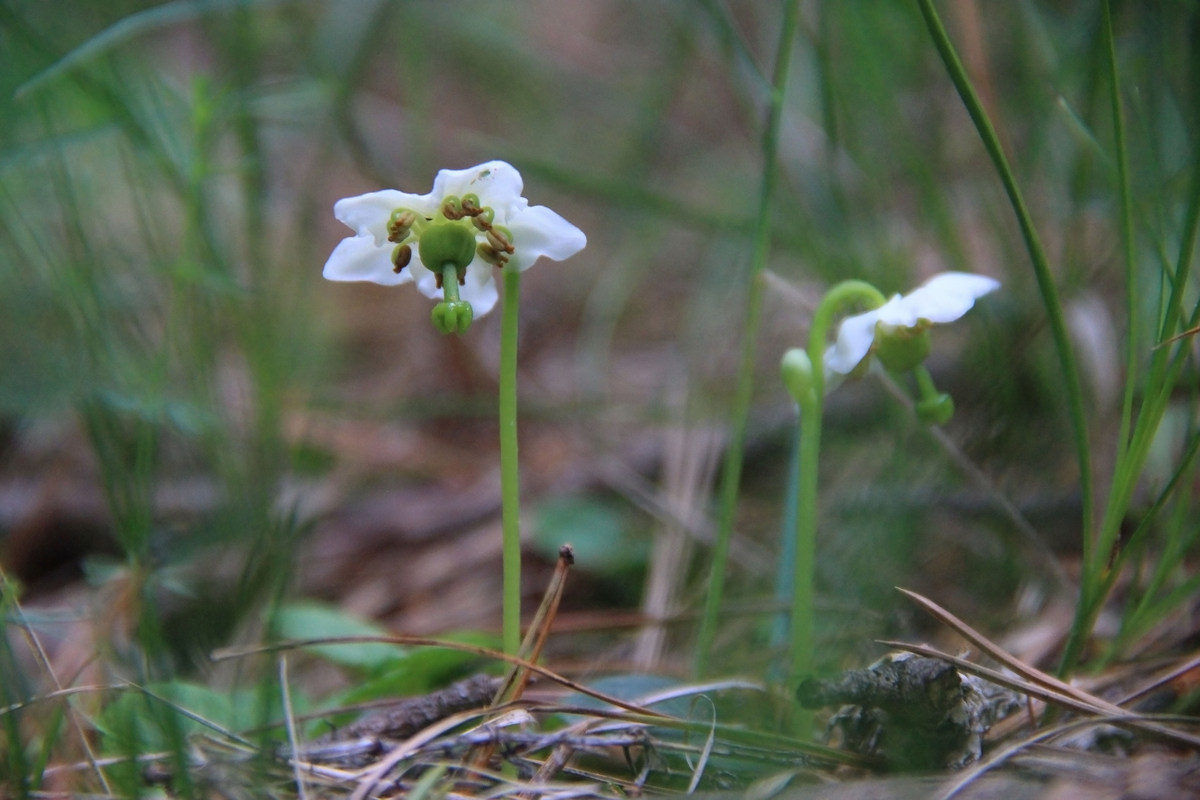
(356, 258)
(854, 339)
(425, 279)
(480, 289)
(497, 183)
(368, 214)
(539, 231)
(946, 297)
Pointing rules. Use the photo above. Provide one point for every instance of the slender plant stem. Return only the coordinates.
(510, 485)
(1133, 448)
(785, 588)
(1127, 242)
(731, 472)
(801, 632)
(812, 404)
(14, 614)
(1128, 461)
(1041, 266)
(1098, 572)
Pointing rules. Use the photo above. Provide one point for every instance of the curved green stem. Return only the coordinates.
(510, 486)
(731, 470)
(801, 635)
(840, 296)
(925, 385)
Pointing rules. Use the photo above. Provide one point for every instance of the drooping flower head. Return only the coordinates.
(449, 240)
(898, 331)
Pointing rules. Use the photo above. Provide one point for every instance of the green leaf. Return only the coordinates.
(163, 714)
(422, 671)
(318, 621)
(597, 530)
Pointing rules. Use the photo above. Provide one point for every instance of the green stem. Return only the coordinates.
(802, 637)
(1127, 242)
(450, 282)
(801, 633)
(1099, 570)
(925, 385)
(1037, 255)
(510, 486)
(731, 471)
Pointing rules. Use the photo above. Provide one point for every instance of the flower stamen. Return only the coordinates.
(470, 205)
(400, 225)
(452, 208)
(401, 255)
(490, 255)
(499, 241)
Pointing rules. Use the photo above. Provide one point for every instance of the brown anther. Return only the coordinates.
(497, 240)
(400, 225)
(400, 258)
(491, 255)
(451, 209)
(438, 275)
(471, 207)
(481, 224)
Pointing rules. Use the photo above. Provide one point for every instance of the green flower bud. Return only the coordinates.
(446, 243)
(901, 349)
(453, 316)
(797, 371)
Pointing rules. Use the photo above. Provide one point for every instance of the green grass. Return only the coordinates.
(167, 173)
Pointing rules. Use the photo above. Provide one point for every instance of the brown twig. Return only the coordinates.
(1036, 683)
(539, 628)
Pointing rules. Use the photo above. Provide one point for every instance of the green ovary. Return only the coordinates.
(446, 243)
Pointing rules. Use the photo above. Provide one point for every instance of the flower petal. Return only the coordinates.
(854, 339)
(368, 214)
(480, 289)
(425, 278)
(497, 183)
(356, 258)
(539, 231)
(536, 232)
(946, 297)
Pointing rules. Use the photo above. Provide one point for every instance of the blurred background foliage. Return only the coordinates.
(201, 427)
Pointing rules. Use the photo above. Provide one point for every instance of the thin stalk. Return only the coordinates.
(12, 610)
(731, 472)
(812, 406)
(1100, 569)
(1041, 266)
(801, 633)
(1108, 528)
(785, 580)
(510, 485)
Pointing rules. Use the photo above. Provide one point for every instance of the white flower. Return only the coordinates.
(529, 232)
(944, 298)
